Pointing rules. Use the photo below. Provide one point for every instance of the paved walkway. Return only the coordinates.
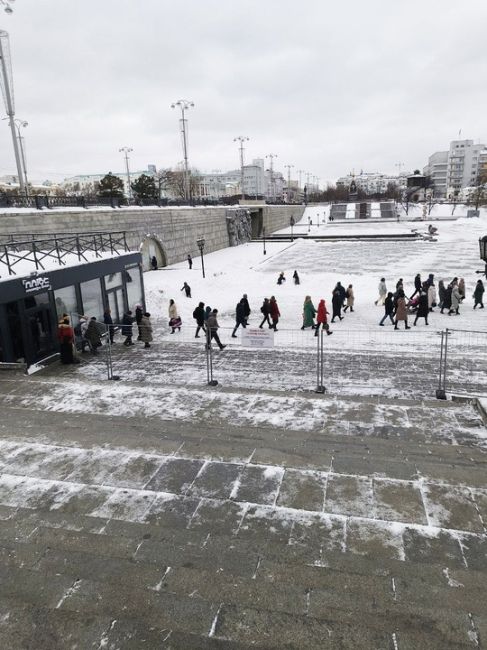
(359, 524)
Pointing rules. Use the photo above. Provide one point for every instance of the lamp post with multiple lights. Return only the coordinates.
(184, 105)
(126, 151)
(241, 139)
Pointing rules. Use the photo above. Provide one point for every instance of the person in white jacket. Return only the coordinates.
(174, 318)
(382, 292)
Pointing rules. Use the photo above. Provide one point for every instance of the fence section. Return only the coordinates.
(463, 363)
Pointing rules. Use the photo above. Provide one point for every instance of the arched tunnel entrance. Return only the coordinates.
(150, 247)
(256, 219)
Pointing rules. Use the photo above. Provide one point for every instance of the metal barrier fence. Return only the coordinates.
(463, 363)
(387, 362)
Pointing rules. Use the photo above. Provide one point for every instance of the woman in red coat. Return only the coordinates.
(65, 336)
(321, 318)
(274, 313)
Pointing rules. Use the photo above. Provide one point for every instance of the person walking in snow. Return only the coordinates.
(187, 289)
(296, 277)
(478, 294)
(246, 308)
(281, 278)
(336, 303)
(207, 313)
(431, 289)
(274, 312)
(423, 308)
(127, 328)
(265, 310)
(174, 318)
(239, 317)
(309, 312)
(199, 316)
(321, 318)
(350, 298)
(190, 262)
(461, 289)
(456, 299)
(382, 288)
(388, 308)
(213, 327)
(401, 310)
(342, 292)
(442, 296)
(417, 285)
(145, 329)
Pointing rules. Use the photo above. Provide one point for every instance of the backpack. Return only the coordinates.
(195, 315)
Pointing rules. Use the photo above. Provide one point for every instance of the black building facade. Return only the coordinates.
(31, 306)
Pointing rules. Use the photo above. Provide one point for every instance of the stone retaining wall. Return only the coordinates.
(169, 233)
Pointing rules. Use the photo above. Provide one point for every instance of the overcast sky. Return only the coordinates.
(327, 86)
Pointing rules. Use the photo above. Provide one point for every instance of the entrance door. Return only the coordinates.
(115, 302)
(41, 338)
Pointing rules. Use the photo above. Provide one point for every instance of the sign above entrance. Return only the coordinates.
(257, 338)
(40, 283)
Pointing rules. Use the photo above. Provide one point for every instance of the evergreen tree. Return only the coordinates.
(144, 187)
(110, 185)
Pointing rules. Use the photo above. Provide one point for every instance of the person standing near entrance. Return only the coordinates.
(65, 336)
(138, 317)
(153, 263)
(145, 329)
(190, 262)
(127, 328)
(108, 320)
(93, 334)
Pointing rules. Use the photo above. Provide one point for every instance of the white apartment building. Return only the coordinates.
(459, 167)
(217, 184)
(373, 182)
(82, 183)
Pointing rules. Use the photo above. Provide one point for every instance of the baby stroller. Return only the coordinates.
(413, 305)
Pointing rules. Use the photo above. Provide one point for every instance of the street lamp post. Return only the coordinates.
(288, 167)
(201, 245)
(7, 91)
(273, 187)
(126, 151)
(184, 105)
(241, 139)
(18, 124)
(483, 253)
(291, 223)
(263, 237)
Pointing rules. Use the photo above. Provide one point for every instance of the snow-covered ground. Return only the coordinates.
(244, 269)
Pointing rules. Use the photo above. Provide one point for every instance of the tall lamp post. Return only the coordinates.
(241, 139)
(273, 187)
(201, 245)
(6, 83)
(126, 151)
(184, 105)
(20, 138)
(288, 167)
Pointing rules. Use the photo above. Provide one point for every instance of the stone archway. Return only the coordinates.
(151, 246)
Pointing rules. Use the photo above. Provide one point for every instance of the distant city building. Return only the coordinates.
(373, 182)
(459, 167)
(87, 183)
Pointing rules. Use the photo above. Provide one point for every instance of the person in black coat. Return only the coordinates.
(342, 291)
(127, 321)
(239, 317)
(417, 285)
(423, 308)
(153, 263)
(281, 278)
(337, 303)
(265, 309)
(478, 294)
(246, 307)
(187, 289)
(389, 308)
(199, 316)
(190, 262)
(108, 320)
(446, 304)
(138, 317)
(296, 277)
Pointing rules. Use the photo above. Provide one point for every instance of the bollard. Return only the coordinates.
(319, 364)
(209, 360)
(441, 390)
(110, 375)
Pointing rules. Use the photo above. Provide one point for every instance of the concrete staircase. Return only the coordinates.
(121, 532)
